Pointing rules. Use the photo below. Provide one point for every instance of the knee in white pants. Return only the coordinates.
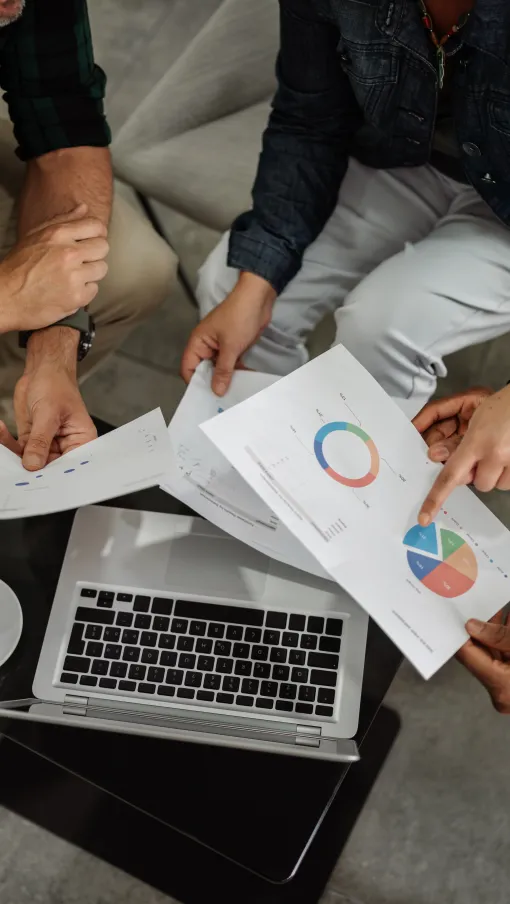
(215, 278)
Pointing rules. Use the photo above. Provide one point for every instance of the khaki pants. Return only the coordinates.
(142, 269)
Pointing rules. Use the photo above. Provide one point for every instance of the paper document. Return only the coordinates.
(133, 457)
(340, 464)
(204, 479)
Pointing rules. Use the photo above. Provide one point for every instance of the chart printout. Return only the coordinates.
(344, 469)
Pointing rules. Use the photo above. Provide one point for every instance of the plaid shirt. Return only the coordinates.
(53, 88)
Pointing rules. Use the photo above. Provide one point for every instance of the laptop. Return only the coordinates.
(163, 625)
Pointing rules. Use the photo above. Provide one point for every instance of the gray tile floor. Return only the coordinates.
(436, 828)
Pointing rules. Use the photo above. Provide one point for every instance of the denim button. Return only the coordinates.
(472, 150)
(488, 178)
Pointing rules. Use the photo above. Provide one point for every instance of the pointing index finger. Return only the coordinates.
(455, 473)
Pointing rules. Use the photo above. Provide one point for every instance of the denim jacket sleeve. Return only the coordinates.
(305, 150)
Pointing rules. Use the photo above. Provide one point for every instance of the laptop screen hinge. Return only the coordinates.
(75, 706)
(308, 735)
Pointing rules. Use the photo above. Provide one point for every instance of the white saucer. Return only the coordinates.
(11, 622)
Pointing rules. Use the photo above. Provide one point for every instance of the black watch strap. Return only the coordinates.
(81, 321)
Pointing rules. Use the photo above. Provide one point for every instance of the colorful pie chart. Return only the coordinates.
(347, 481)
(441, 560)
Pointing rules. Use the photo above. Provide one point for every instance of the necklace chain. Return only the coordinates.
(440, 43)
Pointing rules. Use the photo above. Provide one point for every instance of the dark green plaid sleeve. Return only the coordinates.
(52, 86)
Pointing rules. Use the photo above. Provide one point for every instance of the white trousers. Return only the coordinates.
(413, 265)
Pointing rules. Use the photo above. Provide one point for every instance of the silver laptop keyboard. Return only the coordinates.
(222, 655)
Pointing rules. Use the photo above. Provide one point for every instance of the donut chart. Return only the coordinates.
(441, 560)
(318, 445)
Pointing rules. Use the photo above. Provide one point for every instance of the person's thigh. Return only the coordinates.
(446, 292)
(378, 211)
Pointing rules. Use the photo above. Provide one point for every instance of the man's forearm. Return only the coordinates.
(54, 184)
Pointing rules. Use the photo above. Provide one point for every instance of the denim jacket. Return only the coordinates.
(360, 78)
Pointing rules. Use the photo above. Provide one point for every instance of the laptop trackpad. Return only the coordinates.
(216, 566)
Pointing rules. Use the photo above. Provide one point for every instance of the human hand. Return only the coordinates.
(50, 413)
(229, 330)
(52, 271)
(481, 449)
(487, 656)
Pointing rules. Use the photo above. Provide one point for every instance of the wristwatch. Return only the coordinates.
(81, 321)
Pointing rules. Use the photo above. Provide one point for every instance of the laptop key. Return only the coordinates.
(216, 631)
(272, 637)
(185, 643)
(276, 620)
(165, 691)
(88, 680)
(315, 625)
(162, 606)
(112, 634)
(268, 689)
(197, 628)
(222, 648)
(148, 638)
(160, 623)
(261, 670)
(150, 657)
(278, 654)
(186, 692)
(323, 661)
(94, 649)
(241, 651)
(224, 698)
(320, 677)
(297, 657)
(168, 658)
(99, 667)
(180, 626)
(224, 666)
(174, 676)
(88, 592)
(281, 672)
(76, 664)
(193, 679)
(264, 703)
(308, 642)
(334, 626)
(100, 617)
(290, 639)
(124, 619)
(166, 641)
(187, 661)
(231, 684)
(300, 676)
(143, 622)
(76, 643)
(69, 678)
(284, 705)
(203, 646)
(259, 653)
(105, 599)
(108, 682)
(324, 711)
(329, 644)
(297, 623)
(130, 637)
(244, 701)
(141, 604)
(137, 672)
(93, 632)
(253, 635)
(234, 632)
(305, 708)
(207, 696)
(242, 667)
(205, 663)
(130, 654)
(118, 670)
(307, 694)
(124, 597)
(212, 682)
(237, 615)
(326, 696)
(146, 688)
(288, 691)
(250, 687)
(127, 685)
(156, 674)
